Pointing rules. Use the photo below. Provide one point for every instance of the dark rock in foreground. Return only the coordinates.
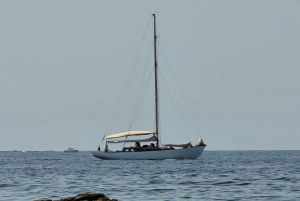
(84, 197)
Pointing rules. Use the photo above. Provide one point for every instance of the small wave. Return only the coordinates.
(243, 184)
(156, 190)
(222, 183)
(5, 185)
(283, 179)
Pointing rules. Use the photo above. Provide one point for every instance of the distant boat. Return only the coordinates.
(71, 149)
(152, 152)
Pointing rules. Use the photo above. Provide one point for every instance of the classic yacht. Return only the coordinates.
(156, 151)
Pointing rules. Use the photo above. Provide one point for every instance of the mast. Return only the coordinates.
(156, 83)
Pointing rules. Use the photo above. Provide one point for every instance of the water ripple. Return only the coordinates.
(216, 175)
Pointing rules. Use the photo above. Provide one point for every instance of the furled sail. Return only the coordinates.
(129, 133)
(153, 138)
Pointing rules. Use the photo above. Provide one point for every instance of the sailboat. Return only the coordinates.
(156, 151)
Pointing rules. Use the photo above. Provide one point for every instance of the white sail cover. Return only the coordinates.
(153, 138)
(129, 133)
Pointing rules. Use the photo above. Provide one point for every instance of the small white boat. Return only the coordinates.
(71, 149)
(153, 152)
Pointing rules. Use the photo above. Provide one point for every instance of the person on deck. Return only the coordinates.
(137, 144)
(106, 149)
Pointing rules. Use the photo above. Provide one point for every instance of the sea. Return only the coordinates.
(215, 175)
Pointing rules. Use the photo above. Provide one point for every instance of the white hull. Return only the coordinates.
(188, 153)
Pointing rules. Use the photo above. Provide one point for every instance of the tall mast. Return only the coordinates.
(156, 83)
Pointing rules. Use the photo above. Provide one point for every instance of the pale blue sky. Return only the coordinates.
(66, 67)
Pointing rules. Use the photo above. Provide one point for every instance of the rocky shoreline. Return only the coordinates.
(84, 197)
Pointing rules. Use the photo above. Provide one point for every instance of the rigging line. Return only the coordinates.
(133, 114)
(135, 62)
(124, 142)
(140, 45)
(144, 36)
(170, 69)
(172, 101)
(107, 128)
(135, 105)
(178, 113)
(104, 135)
(146, 28)
(143, 93)
(166, 59)
(147, 60)
(169, 66)
(199, 133)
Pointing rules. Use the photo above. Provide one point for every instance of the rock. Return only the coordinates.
(84, 197)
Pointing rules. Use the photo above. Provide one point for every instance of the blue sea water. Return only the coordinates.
(215, 175)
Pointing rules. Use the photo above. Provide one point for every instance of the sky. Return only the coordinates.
(71, 71)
